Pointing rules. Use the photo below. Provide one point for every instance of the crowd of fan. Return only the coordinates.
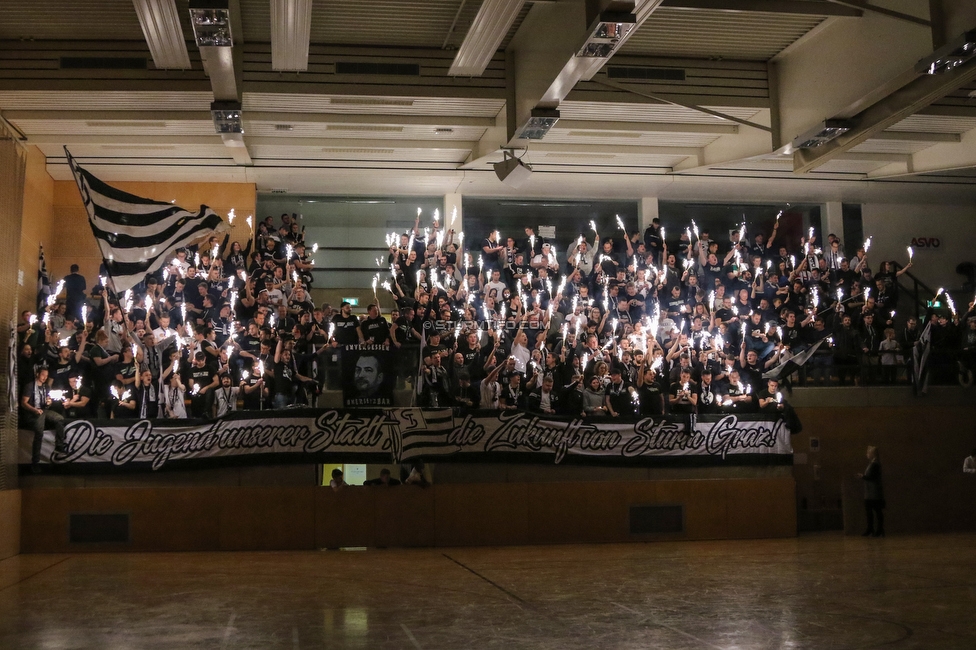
(623, 325)
(636, 324)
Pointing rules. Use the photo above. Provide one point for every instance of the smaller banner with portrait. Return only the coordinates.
(368, 376)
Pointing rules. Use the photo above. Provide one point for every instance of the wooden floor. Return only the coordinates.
(823, 591)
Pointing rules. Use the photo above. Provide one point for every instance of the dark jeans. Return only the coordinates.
(874, 508)
(40, 422)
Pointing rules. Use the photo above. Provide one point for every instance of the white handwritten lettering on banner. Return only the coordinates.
(405, 434)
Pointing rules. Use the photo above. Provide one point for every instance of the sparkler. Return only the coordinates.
(437, 217)
(250, 222)
(84, 315)
(176, 366)
(460, 238)
(532, 242)
(911, 253)
(315, 247)
(60, 287)
(840, 295)
(620, 224)
(453, 215)
(230, 216)
(810, 233)
(149, 303)
(742, 232)
(32, 320)
(260, 368)
(593, 227)
(867, 244)
(58, 394)
(778, 215)
(694, 229)
(331, 330)
(195, 390)
(245, 375)
(663, 236)
(196, 260)
(779, 398)
(64, 342)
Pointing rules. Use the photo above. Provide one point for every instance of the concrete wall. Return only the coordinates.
(276, 518)
(894, 226)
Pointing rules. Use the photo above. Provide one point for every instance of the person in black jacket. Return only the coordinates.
(874, 502)
(547, 399)
(36, 414)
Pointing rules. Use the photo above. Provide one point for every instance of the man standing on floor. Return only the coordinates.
(36, 414)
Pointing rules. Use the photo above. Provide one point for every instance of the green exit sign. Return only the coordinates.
(352, 301)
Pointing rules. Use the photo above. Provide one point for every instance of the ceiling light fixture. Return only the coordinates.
(822, 134)
(487, 31)
(538, 125)
(227, 117)
(949, 57)
(512, 171)
(211, 23)
(160, 23)
(607, 33)
(291, 25)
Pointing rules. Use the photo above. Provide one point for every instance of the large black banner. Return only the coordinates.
(403, 434)
(368, 376)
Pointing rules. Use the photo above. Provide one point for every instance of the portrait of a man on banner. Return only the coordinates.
(368, 376)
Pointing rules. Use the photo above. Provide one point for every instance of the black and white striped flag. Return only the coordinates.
(137, 235)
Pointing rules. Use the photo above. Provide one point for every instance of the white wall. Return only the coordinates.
(894, 225)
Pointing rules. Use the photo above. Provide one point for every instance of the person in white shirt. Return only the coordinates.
(495, 285)
(969, 465)
(225, 399)
(173, 398)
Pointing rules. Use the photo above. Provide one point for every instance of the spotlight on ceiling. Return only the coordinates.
(607, 33)
(227, 117)
(538, 125)
(211, 23)
(949, 57)
(512, 171)
(822, 134)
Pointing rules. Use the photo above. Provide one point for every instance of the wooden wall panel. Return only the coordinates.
(404, 517)
(266, 518)
(9, 523)
(481, 514)
(37, 225)
(761, 505)
(344, 518)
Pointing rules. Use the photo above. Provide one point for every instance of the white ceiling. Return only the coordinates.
(315, 133)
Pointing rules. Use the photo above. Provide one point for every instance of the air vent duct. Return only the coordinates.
(645, 74)
(389, 69)
(103, 63)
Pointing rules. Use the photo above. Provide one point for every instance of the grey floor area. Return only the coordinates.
(822, 591)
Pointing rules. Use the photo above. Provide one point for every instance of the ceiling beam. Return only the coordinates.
(252, 116)
(865, 156)
(621, 149)
(939, 158)
(893, 108)
(646, 127)
(884, 11)
(917, 136)
(149, 140)
(670, 100)
(768, 6)
(359, 143)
